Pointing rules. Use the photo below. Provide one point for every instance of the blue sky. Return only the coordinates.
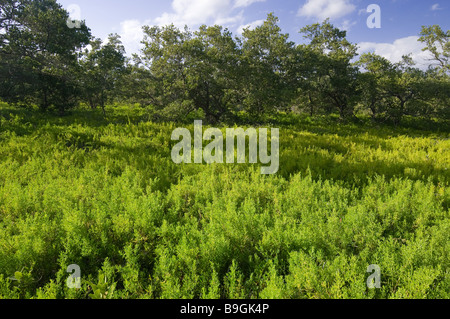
(401, 20)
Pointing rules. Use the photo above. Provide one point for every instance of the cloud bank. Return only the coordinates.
(400, 47)
(322, 9)
(192, 13)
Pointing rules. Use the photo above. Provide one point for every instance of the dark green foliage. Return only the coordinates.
(438, 44)
(103, 68)
(38, 55)
(210, 74)
(332, 77)
(268, 60)
(190, 71)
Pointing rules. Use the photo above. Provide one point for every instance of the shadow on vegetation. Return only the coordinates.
(319, 145)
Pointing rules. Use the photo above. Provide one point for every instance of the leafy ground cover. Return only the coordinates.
(104, 194)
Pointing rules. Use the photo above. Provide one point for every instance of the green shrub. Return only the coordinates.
(105, 195)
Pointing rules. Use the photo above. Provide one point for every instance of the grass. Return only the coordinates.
(103, 193)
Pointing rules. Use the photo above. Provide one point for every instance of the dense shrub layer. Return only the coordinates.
(105, 195)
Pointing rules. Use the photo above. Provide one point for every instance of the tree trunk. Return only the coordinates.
(311, 105)
(44, 104)
(342, 111)
(103, 104)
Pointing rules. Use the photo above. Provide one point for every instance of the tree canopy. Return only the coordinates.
(210, 72)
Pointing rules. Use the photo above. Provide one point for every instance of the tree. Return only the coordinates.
(438, 85)
(402, 88)
(165, 57)
(267, 59)
(38, 54)
(213, 73)
(333, 78)
(373, 83)
(191, 71)
(432, 97)
(103, 68)
(391, 90)
(438, 44)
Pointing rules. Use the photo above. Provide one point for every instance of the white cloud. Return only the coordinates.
(347, 25)
(195, 12)
(230, 20)
(322, 9)
(245, 3)
(400, 47)
(192, 13)
(185, 12)
(250, 26)
(435, 7)
(131, 35)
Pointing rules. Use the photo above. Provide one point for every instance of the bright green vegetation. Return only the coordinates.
(104, 194)
(99, 188)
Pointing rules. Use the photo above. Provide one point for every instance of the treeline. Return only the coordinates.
(211, 73)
